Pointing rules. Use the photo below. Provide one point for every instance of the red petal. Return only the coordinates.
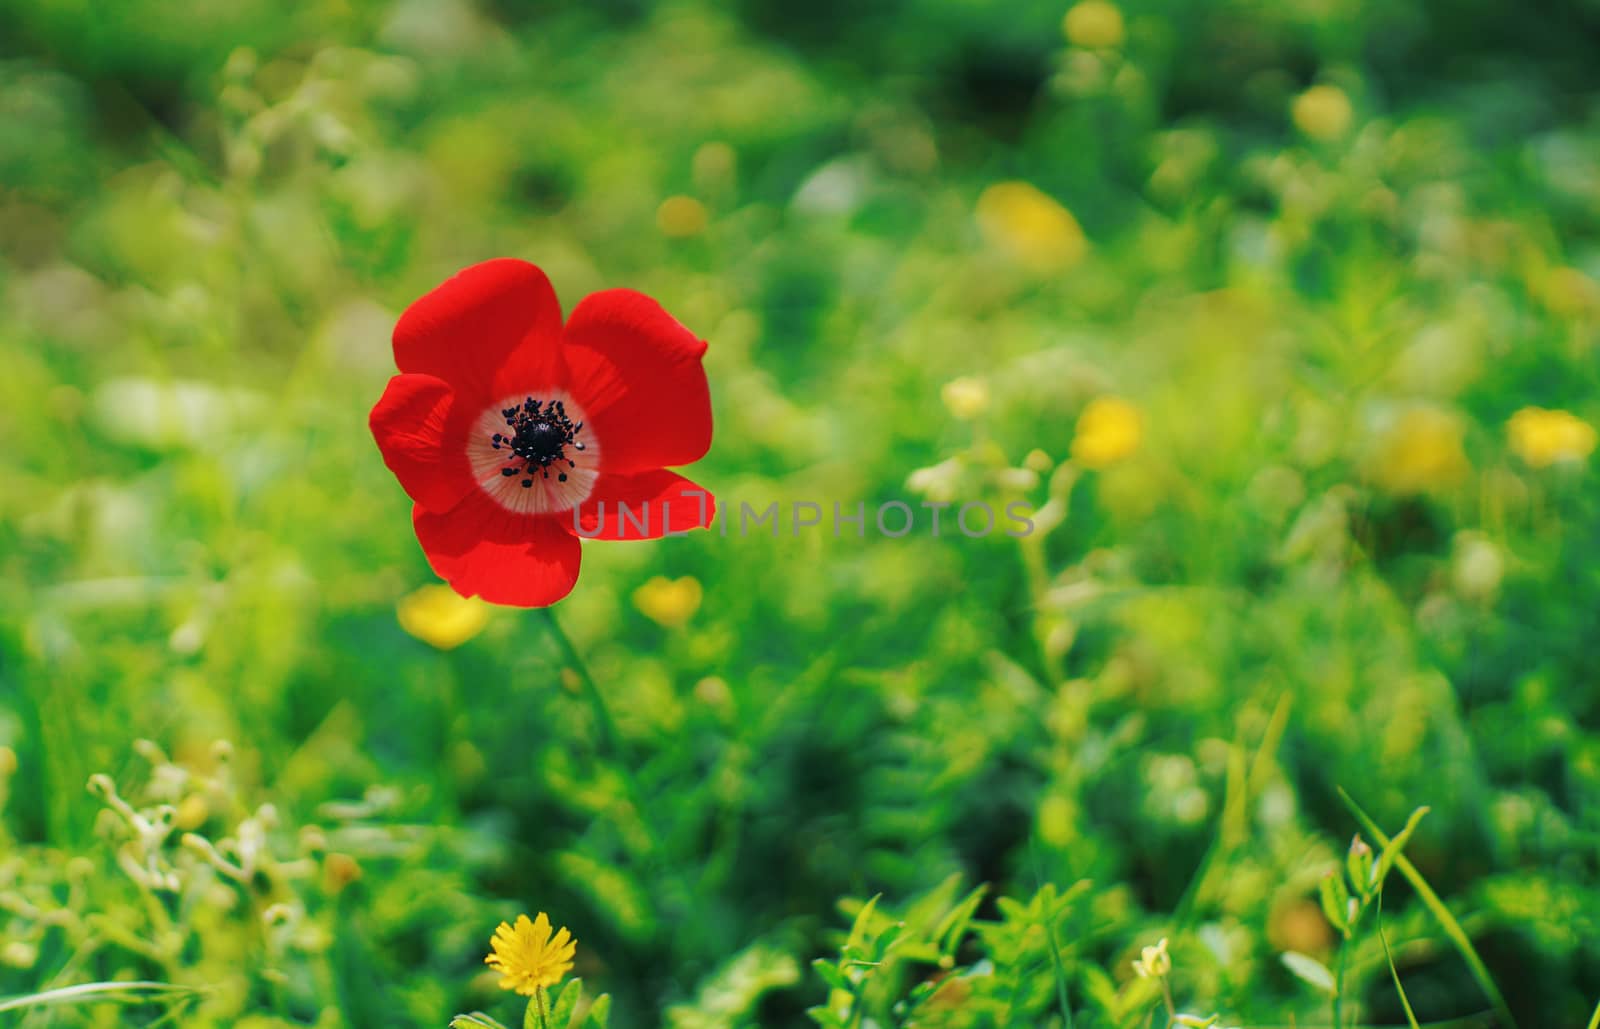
(421, 442)
(482, 549)
(468, 329)
(637, 373)
(644, 506)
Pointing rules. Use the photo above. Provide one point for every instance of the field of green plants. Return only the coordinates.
(1278, 322)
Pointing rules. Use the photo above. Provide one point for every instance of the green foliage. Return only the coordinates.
(1257, 357)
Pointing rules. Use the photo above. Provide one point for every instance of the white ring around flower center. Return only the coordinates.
(548, 494)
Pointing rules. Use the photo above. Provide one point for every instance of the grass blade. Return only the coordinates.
(1394, 973)
(1441, 914)
(89, 992)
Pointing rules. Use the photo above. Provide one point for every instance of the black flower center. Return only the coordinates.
(540, 435)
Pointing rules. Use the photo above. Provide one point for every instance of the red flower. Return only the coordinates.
(515, 434)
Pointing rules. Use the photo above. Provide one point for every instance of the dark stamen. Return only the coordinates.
(540, 434)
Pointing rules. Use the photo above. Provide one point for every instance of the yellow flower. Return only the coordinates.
(1418, 451)
(1093, 25)
(1154, 962)
(192, 812)
(681, 216)
(1543, 438)
(528, 957)
(669, 602)
(441, 617)
(1322, 112)
(1031, 227)
(966, 397)
(1109, 431)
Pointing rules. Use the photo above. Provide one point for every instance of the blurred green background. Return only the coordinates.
(1285, 317)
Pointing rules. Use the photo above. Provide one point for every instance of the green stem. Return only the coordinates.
(610, 741)
(1338, 982)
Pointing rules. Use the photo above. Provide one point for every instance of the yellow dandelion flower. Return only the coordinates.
(966, 397)
(681, 216)
(1036, 231)
(1093, 25)
(669, 602)
(527, 956)
(1543, 438)
(1418, 450)
(1323, 112)
(440, 617)
(1109, 431)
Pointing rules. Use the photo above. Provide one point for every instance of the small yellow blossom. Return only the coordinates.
(192, 813)
(681, 216)
(940, 482)
(528, 956)
(1154, 962)
(1323, 112)
(440, 617)
(966, 397)
(19, 954)
(1543, 438)
(669, 602)
(1109, 431)
(1017, 218)
(1419, 450)
(1093, 25)
(8, 762)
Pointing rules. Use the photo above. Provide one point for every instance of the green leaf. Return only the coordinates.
(1309, 969)
(1392, 849)
(1441, 914)
(566, 1003)
(1012, 910)
(728, 995)
(1334, 900)
(886, 940)
(1358, 862)
(824, 1016)
(476, 1020)
(830, 974)
(858, 929)
(947, 934)
(599, 1011)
